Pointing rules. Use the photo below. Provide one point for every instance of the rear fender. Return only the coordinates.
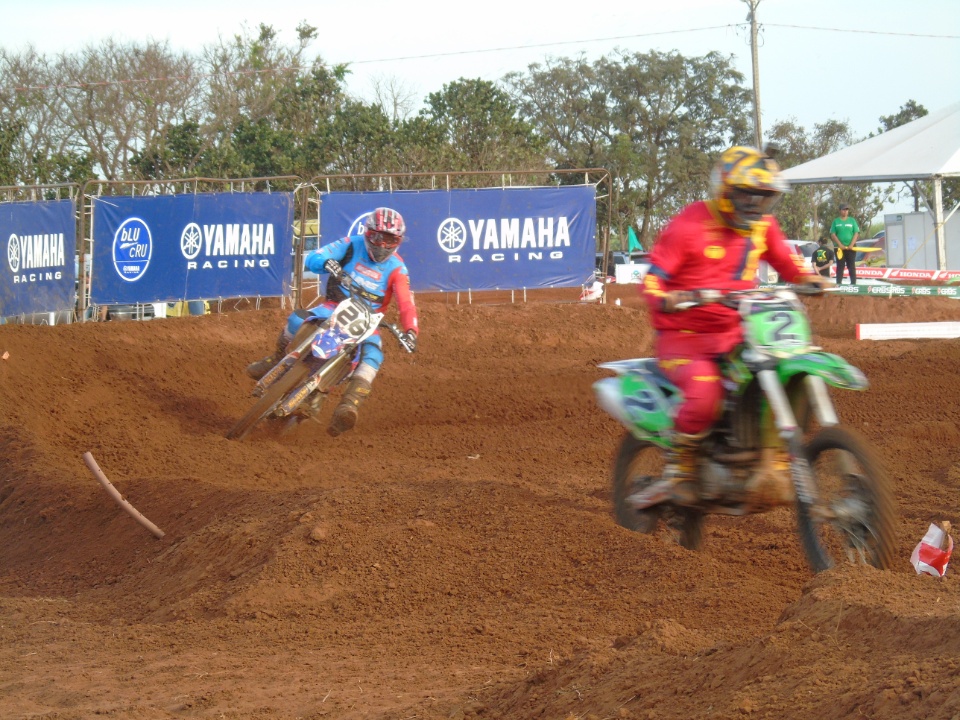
(832, 368)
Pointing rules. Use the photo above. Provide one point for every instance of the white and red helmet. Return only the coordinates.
(384, 233)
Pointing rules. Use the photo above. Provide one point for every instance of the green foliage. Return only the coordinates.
(480, 128)
(358, 140)
(69, 166)
(656, 121)
(266, 109)
(175, 154)
(909, 112)
(9, 133)
(807, 212)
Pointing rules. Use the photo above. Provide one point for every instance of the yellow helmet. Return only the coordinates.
(746, 185)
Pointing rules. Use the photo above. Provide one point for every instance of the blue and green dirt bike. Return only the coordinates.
(776, 395)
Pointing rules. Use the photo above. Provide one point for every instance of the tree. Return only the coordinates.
(118, 98)
(395, 98)
(266, 107)
(807, 211)
(419, 146)
(9, 134)
(174, 154)
(909, 112)
(480, 127)
(656, 121)
(39, 147)
(358, 140)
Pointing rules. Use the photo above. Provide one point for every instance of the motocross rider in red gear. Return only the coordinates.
(714, 244)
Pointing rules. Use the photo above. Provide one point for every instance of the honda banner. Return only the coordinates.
(40, 273)
(485, 239)
(191, 247)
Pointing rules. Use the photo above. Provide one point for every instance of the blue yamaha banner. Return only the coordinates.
(191, 247)
(499, 238)
(41, 242)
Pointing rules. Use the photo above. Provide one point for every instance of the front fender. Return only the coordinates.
(832, 368)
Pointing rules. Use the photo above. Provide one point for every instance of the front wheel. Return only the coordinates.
(852, 514)
(638, 465)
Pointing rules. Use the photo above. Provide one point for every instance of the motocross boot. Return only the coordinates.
(261, 367)
(771, 484)
(345, 415)
(678, 483)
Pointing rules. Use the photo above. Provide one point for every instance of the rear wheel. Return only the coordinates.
(638, 465)
(269, 400)
(852, 516)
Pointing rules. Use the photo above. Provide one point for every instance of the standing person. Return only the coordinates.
(823, 256)
(372, 262)
(714, 244)
(844, 232)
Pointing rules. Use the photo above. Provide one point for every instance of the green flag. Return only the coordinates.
(633, 243)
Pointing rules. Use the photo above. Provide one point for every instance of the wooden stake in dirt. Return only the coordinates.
(115, 494)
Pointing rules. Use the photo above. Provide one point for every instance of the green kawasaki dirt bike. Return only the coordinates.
(776, 380)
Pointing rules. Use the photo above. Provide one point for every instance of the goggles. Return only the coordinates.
(382, 240)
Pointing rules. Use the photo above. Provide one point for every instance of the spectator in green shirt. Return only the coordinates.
(844, 232)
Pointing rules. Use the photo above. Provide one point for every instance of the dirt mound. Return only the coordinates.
(455, 555)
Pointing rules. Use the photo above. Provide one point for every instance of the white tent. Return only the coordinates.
(925, 149)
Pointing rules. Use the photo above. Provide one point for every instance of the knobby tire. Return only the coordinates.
(687, 523)
(874, 490)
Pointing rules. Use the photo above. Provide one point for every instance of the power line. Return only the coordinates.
(488, 50)
(541, 45)
(863, 32)
(643, 35)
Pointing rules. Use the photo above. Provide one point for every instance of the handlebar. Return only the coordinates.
(732, 298)
(398, 334)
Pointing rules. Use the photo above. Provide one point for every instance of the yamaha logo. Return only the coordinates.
(13, 253)
(191, 241)
(452, 235)
(528, 239)
(224, 246)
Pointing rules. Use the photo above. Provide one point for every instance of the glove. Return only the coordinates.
(839, 254)
(410, 340)
(678, 300)
(333, 267)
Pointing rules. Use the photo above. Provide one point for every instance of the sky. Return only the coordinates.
(819, 60)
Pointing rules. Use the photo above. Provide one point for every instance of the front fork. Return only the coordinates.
(332, 372)
(789, 430)
(300, 343)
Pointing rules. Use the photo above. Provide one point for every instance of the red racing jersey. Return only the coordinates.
(697, 251)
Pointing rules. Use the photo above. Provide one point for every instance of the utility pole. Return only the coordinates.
(752, 17)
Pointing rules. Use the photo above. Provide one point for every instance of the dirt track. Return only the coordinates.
(455, 555)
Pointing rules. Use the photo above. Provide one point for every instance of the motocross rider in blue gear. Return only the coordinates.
(372, 262)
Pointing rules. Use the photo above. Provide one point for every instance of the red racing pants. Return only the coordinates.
(690, 361)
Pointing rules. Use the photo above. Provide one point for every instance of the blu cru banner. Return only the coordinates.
(191, 247)
(499, 238)
(40, 272)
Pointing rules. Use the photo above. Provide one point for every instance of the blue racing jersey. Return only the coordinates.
(380, 281)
